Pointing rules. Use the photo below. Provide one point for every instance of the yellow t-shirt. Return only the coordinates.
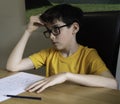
(84, 61)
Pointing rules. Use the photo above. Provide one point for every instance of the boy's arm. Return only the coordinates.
(15, 61)
(103, 80)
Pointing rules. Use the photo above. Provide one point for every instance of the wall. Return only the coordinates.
(118, 70)
(12, 20)
(12, 26)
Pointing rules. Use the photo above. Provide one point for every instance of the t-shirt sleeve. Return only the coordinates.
(97, 65)
(39, 58)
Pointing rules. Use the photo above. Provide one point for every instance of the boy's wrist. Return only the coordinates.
(68, 75)
(28, 32)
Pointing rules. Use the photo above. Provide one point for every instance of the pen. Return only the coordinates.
(24, 97)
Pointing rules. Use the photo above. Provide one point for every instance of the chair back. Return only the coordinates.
(101, 30)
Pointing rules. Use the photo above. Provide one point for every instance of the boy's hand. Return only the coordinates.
(47, 82)
(34, 23)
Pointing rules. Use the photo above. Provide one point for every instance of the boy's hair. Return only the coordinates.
(63, 12)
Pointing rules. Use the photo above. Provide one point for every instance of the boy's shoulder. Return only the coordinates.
(49, 50)
(86, 48)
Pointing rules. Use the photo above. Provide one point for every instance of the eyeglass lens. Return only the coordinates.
(55, 31)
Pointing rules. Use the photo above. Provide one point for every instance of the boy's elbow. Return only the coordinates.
(116, 84)
(11, 68)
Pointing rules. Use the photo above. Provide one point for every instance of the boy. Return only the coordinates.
(66, 60)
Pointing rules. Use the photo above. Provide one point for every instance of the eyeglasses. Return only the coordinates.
(55, 31)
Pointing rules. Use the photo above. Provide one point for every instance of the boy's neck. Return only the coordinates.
(70, 51)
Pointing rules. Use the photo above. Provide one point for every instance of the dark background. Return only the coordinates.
(30, 4)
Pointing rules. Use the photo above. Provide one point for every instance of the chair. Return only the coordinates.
(101, 30)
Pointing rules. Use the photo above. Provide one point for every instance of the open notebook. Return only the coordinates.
(16, 84)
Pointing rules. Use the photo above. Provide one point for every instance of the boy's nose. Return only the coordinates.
(52, 37)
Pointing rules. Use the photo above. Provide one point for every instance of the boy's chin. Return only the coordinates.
(58, 48)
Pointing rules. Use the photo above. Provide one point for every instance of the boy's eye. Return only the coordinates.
(55, 29)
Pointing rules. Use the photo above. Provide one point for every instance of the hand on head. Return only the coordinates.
(34, 23)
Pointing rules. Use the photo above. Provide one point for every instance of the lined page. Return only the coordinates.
(16, 84)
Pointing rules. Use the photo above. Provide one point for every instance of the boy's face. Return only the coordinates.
(60, 35)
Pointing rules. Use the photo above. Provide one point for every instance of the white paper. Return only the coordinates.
(16, 84)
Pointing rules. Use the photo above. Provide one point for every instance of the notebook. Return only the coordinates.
(16, 84)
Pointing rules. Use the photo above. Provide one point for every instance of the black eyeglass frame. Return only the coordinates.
(49, 31)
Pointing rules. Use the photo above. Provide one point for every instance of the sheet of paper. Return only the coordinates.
(16, 84)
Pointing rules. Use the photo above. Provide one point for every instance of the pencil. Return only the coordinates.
(24, 97)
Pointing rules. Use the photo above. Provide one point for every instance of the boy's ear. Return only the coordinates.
(76, 27)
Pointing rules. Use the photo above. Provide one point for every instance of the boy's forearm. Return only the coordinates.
(17, 53)
(92, 80)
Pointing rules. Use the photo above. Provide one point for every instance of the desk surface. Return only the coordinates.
(68, 93)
